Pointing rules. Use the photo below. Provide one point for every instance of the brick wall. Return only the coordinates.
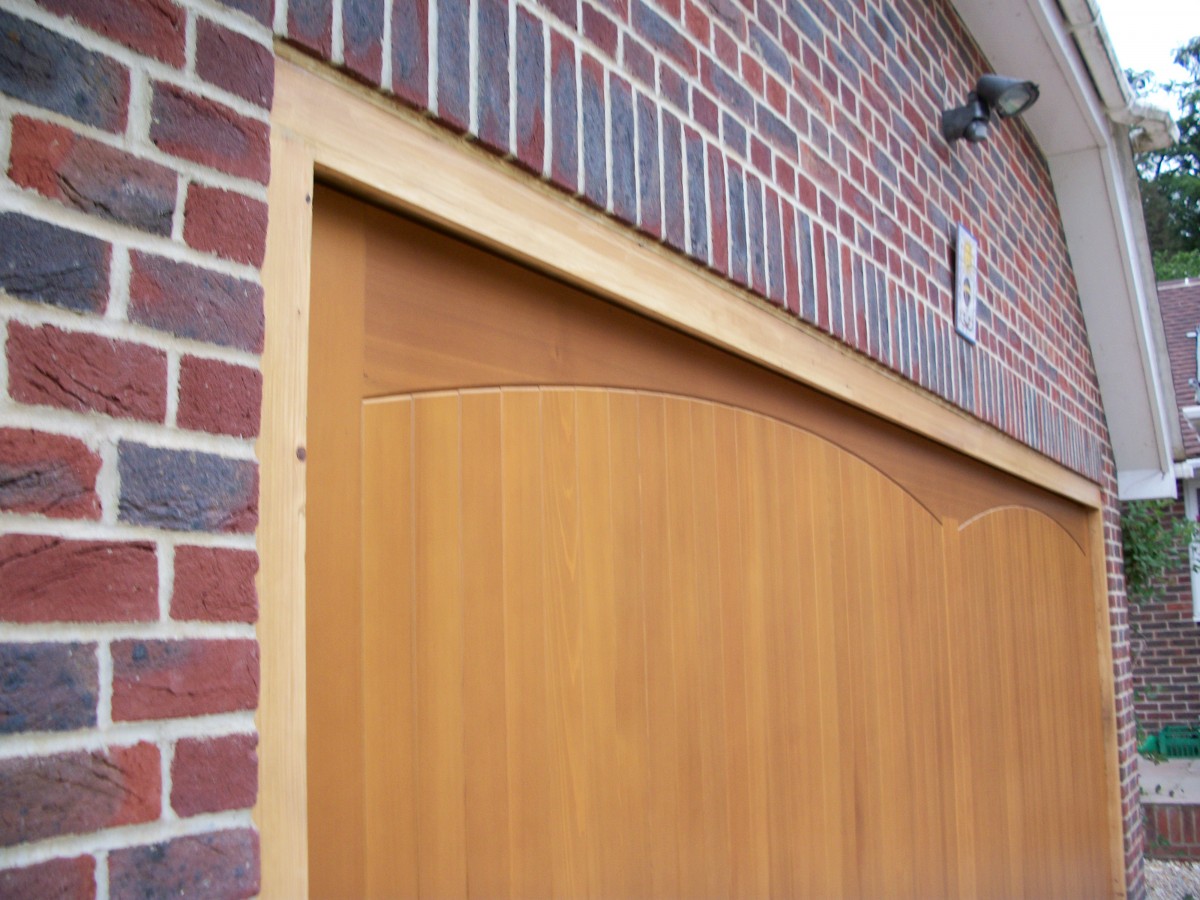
(1173, 831)
(1166, 643)
(133, 169)
(789, 145)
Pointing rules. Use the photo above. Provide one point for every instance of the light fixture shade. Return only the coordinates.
(1007, 96)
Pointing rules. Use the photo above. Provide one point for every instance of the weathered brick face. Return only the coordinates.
(790, 146)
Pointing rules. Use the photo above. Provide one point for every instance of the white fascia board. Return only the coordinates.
(1146, 484)
(1103, 224)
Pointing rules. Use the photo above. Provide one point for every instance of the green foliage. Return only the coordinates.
(1154, 540)
(1170, 178)
(1176, 266)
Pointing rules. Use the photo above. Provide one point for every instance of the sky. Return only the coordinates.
(1146, 32)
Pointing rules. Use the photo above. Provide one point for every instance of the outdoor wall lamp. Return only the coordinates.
(1007, 96)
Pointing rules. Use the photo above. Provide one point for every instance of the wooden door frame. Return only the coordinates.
(329, 127)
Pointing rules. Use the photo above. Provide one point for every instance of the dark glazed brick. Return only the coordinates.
(778, 132)
(47, 474)
(697, 197)
(728, 89)
(454, 63)
(224, 865)
(754, 234)
(771, 53)
(564, 158)
(791, 273)
(310, 24)
(49, 579)
(195, 303)
(666, 36)
(219, 397)
(234, 62)
(493, 74)
(210, 134)
(649, 190)
(213, 775)
(173, 679)
(153, 27)
(92, 177)
(47, 687)
(362, 38)
(183, 490)
(47, 264)
(74, 793)
(595, 133)
(674, 224)
(739, 263)
(74, 878)
(55, 73)
(774, 250)
(833, 264)
(808, 291)
(624, 153)
(227, 223)
(531, 118)
(260, 10)
(410, 51)
(214, 585)
(716, 203)
(86, 373)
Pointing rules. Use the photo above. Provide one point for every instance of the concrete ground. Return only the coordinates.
(1170, 781)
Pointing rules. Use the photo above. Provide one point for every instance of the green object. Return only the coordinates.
(1149, 746)
(1177, 741)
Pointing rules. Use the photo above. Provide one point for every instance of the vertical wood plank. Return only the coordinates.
(710, 685)
(485, 747)
(437, 504)
(659, 596)
(630, 875)
(564, 636)
(387, 686)
(523, 587)
(603, 786)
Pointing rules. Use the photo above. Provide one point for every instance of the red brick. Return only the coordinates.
(209, 133)
(227, 223)
(86, 373)
(219, 397)
(91, 177)
(47, 474)
(262, 11)
(172, 679)
(74, 793)
(195, 303)
(215, 585)
(74, 878)
(47, 687)
(50, 579)
(214, 775)
(235, 62)
(152, 27)
(220, 866)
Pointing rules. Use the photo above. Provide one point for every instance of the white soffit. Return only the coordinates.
(1102, 221)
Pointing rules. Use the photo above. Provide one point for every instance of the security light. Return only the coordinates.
(1006, 96)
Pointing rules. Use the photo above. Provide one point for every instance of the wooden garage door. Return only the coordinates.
(595, 609)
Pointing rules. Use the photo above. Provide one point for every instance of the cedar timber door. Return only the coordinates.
(596, 609)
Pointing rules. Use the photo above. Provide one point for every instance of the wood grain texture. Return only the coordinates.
(662, 643)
